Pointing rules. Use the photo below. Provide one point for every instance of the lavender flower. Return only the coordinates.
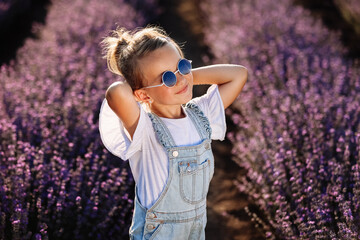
(297, 121)
(57, 181)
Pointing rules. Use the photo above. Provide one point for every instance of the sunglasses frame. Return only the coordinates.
(162, 77)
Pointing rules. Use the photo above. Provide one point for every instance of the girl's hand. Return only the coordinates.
(121, 100)
(229, 77)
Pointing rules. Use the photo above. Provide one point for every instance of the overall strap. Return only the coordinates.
(199, 119)
(162, 132)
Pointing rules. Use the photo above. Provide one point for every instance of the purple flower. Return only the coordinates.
(297, 119)
(50, 147)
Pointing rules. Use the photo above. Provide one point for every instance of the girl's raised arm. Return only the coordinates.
(229, 77)
(122, 101)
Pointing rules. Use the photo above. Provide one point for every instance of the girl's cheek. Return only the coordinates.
(189, 77)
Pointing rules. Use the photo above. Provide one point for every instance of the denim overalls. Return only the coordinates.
(180, 211)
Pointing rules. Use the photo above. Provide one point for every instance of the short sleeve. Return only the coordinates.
(212, 106)
(115, 137)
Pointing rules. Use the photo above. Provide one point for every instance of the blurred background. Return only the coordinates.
(288, 168)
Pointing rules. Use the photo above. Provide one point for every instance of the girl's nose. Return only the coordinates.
(180, 79)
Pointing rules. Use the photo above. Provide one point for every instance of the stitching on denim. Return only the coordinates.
(162, 221)
(201, 117)
(205, 180)
(193, 197)
(202, 167)
(196, 121)
(162, 132)
(189, 149)
(183, 220)
(181, 183)
(194, 226)
(137, 201)
(163, 194)
(201, 208)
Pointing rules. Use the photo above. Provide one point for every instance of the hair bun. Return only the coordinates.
(123, 38)
(114, 48)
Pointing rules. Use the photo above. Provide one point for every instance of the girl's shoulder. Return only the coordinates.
(211, 96)
(114, 135)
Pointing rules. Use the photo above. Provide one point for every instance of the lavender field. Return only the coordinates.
(57, 181)
(297, 120)
(295, 128)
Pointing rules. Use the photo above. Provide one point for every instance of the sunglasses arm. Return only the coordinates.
(153, 86)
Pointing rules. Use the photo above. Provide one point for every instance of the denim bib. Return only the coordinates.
(180, 211)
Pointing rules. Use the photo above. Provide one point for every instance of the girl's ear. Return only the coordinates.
(141, 95)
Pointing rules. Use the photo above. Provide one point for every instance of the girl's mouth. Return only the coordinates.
(183, 90)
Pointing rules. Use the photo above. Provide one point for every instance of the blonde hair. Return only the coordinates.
(123, 48)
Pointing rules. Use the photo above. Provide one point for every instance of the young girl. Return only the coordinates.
(152, 120)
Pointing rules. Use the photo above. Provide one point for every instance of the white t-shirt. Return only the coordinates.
(147, 157)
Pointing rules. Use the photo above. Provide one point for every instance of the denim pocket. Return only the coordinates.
(194, 180)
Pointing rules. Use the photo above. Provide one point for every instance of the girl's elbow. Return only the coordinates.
(241, 80)
(117, 90)
(110, 90)
(109, 94)
(242, 76)
(244, 72)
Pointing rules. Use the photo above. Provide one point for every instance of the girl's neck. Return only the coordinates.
(169, 111)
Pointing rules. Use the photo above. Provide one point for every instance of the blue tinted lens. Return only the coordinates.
(184, 66)
(169, 79)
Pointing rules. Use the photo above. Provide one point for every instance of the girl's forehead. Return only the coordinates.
(166, 51)
(158, 61)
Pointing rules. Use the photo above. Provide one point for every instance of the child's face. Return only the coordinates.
(154, 65)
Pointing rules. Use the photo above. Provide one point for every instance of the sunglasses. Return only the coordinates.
(169, 78)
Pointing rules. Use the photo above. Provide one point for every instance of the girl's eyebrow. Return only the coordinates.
(159, 77)
(176, 66)
(156, 80)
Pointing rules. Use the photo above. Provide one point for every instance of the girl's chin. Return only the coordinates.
(188, 97)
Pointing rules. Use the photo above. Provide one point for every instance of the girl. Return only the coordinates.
(152, 120)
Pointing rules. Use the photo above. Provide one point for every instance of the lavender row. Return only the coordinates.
(57, 180)
(297, 121)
